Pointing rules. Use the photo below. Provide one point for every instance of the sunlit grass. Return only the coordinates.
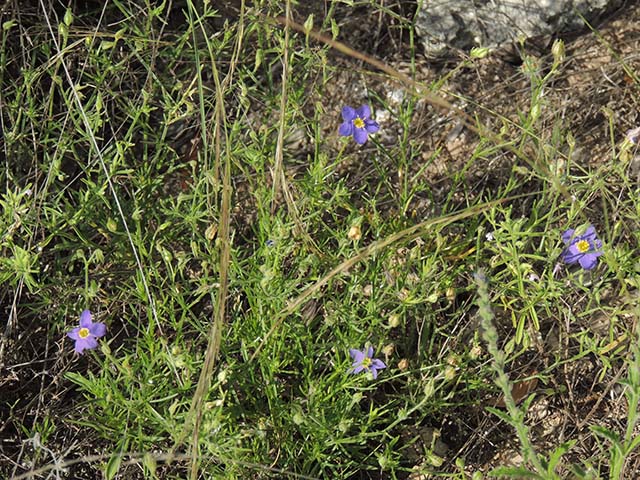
(128, 145)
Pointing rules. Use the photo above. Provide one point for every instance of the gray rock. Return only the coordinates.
(463, 24)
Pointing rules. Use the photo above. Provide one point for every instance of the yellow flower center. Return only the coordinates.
(366, 363)
(583, 246)
(83, 333)
(358, 123)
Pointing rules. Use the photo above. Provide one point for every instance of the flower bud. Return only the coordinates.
(479, 52)
(354, 233)
(557, 50)
(394, 320)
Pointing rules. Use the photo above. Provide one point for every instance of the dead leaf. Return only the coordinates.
(519, 391)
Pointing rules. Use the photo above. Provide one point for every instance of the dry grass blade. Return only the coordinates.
(278, 174)
(422, 91)
(194, 417)
(416, 87)
(215, 333)
(405, 235)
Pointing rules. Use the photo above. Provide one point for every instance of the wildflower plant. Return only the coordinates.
(87, 334)
(357, 123)
(364, 362)
(583, 249)
(249, 294)
(514, 416)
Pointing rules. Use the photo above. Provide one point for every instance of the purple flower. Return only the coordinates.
(357, 123)
(633, 135)
(87, 334)
(584, 249)
(365, 362)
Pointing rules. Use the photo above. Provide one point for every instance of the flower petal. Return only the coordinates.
(98, 329)
(574, 250)
(374, 372)
(73, 334)
(377, 364)
(570, 257)
(590, 233)
(363, 112)
(371, 126)
(357, 355)
(568, 235)
(348, 113)
(588, 261)
(370, 352)
(346, 129)
(360, 135)
(85, 319)
(358, 369)
(88, 343)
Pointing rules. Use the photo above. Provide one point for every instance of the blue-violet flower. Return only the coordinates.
(357, 123)
(87, 334)
(365, 362)
(633, 135)
(584, 249)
